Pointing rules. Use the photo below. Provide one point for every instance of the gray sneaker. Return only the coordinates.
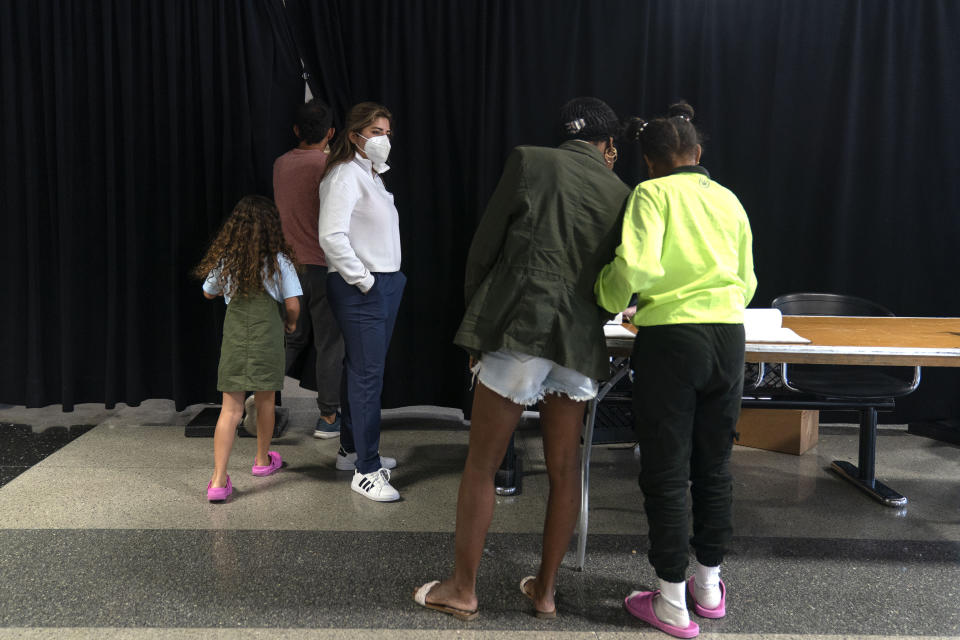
(325, 429)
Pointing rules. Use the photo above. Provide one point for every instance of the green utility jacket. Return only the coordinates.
(550, 226)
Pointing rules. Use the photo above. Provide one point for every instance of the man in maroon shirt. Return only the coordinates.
(315, 349)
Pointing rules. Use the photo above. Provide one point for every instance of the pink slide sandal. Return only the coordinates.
(717, 612)
(640, 605)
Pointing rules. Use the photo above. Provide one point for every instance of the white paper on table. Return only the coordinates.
(616, 331)
(766, 325)
(617, 319)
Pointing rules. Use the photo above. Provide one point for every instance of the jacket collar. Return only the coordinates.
(579, 146)
(690, 168)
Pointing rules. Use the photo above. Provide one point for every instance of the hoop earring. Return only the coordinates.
(610, 156)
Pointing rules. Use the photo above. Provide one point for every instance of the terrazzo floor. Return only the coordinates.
(110, 536)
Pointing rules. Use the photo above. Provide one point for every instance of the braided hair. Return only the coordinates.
(589, 119)
(665, 138)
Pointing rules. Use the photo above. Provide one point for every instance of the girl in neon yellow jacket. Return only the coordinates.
(686, 252)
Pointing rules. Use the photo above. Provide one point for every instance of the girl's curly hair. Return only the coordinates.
(246, 247)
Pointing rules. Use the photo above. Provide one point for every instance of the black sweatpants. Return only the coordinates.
(688, 385)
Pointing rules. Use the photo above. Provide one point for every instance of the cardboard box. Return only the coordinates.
(786, 430)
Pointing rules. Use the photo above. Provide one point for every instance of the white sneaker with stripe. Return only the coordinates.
(375, 486)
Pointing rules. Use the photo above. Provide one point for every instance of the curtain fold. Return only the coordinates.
(129, 131)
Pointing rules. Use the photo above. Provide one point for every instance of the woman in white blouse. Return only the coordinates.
(359, 232)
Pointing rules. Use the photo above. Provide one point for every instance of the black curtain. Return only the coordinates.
(833, 120)
(129, 129)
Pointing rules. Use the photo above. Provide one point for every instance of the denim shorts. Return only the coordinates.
(525, 379)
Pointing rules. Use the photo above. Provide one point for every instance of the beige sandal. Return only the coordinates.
(420, 597)
(543, 615)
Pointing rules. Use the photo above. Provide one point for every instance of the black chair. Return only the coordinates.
(867, 388)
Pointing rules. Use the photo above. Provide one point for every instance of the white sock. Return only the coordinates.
(671, 605)
(706, 586)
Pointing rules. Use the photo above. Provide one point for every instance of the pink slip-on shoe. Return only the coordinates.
(219, 494)
(640, 605)
(275, 463)
(717, 612)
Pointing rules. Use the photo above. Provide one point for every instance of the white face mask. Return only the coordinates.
(377, 149)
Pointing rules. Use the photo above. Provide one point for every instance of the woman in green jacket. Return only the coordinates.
(535, 334)
(687, 253)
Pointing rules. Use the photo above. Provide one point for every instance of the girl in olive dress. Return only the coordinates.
(252, 267)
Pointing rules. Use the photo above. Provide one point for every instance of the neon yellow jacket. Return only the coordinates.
(686, 250)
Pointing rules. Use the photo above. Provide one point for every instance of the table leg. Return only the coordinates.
(506, 481)
(619, 368)
(864, 475)
(582, 524)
